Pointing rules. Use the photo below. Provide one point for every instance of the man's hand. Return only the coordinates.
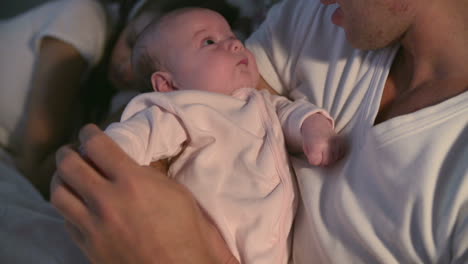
(120, 212)
(321, 144)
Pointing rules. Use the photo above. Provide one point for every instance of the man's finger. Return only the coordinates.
(75, 233)
(104, 153)
(69, 205)
(78, 175)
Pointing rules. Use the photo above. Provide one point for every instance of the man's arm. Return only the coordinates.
(118, 211)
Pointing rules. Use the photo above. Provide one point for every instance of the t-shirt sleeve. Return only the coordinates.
(148, 133)
(80, 23)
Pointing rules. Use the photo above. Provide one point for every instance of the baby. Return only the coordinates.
(225, 139)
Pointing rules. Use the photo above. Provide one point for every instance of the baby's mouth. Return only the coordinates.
(244, 62)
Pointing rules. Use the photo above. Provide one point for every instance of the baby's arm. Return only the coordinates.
(309, 129)
(320, 142)
(149, 135)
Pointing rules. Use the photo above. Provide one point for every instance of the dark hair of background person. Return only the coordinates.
(98, 90)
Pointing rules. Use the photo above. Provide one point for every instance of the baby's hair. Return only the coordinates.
(145, 59)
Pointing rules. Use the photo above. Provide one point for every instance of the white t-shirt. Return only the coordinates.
(80, 23)
(230, 153)
(401, 194)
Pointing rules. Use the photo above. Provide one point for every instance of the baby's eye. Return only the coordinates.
(207, 42)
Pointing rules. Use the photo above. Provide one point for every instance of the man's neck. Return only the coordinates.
(431, 65)
(436, 45)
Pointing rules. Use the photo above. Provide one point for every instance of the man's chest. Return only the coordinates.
(398, 194)
(402, 95)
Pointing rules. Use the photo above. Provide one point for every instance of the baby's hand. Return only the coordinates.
(321, 145)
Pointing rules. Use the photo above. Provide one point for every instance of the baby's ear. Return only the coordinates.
(162, 82)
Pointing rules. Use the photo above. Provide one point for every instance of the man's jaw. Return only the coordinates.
(328, 2)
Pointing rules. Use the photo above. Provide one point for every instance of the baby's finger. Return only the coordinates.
(342, 147)
(313, 156)
(327, 158)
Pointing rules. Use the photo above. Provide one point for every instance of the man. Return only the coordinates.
(401, 195)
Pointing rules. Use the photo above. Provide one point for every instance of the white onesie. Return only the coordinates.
(230, 152)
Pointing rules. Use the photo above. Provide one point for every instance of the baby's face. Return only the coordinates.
(204, 54)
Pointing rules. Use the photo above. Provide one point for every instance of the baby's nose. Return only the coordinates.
(235, 45)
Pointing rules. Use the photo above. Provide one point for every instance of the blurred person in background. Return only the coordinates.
(53, 75)
(62, 62)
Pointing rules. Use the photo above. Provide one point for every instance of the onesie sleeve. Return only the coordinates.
(80, 23)
(148, 135)
(291, 115)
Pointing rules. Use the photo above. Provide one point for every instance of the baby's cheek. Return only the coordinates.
(224, 84)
